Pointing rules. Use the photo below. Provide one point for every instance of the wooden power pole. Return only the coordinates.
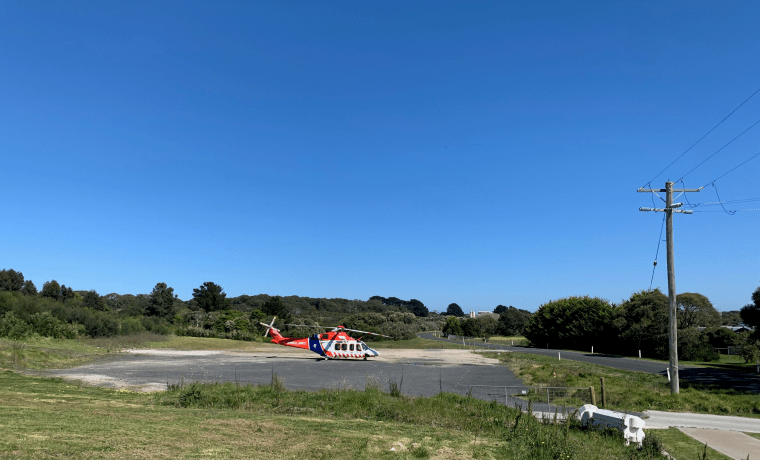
(670, 208)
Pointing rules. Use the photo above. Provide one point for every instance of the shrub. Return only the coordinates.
(13, 327)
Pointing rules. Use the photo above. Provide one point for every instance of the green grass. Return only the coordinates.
(627, 390)
(46, 353)
(52, 418)
(680, 445)
(517, 340)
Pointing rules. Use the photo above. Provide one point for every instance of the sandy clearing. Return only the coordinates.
(111, 382)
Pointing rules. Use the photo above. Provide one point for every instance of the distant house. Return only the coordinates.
(474, 314)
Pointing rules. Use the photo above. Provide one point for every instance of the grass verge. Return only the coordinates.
(53, 418)
(681, 445)
(628, 390)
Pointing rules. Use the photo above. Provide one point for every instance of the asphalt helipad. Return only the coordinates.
(416, 377)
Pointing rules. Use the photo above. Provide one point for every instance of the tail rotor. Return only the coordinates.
(269, 326)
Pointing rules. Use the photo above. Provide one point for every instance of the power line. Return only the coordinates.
(700, 139)
(659, 240)
(732, 169)
(716, 203)
(718, 151)
(724, 208)
(732, 212)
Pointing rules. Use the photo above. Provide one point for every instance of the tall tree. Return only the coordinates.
(418, 308)
(452, 326)
(696, 310)
(513, 321)
(573, 322)
(91, 299)
(29, 288)
(66, 293)
(210, 297)
(454, 310)
(500, 309)
(161, 301)
(730, 318)
(11, 280)
(750, 313)
(274, 307)
(51, 289)
(645, 318)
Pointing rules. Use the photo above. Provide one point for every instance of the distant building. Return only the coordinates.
(474, 314)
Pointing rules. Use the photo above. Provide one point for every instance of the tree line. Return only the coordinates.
(62, 312)
(640, 324)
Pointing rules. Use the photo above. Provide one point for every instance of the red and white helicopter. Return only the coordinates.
(333, 344)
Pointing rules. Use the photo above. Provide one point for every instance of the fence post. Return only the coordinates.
(593, 396)
(604, 399)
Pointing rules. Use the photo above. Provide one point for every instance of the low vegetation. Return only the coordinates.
(230, 421)
(628, 390)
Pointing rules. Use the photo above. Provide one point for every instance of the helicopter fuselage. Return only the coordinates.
(333, 345)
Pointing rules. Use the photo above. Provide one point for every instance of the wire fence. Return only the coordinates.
(543, 399)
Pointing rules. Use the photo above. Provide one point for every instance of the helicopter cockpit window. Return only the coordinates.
(358, 347)
(351, 347)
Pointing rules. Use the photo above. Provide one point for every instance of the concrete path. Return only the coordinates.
(720, 432)
(734, 444)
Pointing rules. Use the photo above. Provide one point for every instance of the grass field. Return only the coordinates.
(44, 418)
(627, 390)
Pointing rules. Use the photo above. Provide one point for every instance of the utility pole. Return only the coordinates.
(670, 208)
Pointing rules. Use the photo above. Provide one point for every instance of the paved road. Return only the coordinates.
(704, 376)
(616, 362)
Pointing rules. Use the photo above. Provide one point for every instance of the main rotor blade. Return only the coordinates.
(340, 328)
(367, 332)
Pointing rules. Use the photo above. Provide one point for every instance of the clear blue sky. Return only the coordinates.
(482, 153)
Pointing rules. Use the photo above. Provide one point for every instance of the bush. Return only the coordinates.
(574, 323)
(48, 325)
(13, 327)
(695, 346)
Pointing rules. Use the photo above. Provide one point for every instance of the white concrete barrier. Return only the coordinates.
(631, 426)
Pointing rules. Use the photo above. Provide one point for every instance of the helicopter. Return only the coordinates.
(334, 344)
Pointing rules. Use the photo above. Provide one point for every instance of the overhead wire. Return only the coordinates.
(724, 208)
(734, 168)
(716, 203)
(704, 136)
(718, 151)
(659, 240)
